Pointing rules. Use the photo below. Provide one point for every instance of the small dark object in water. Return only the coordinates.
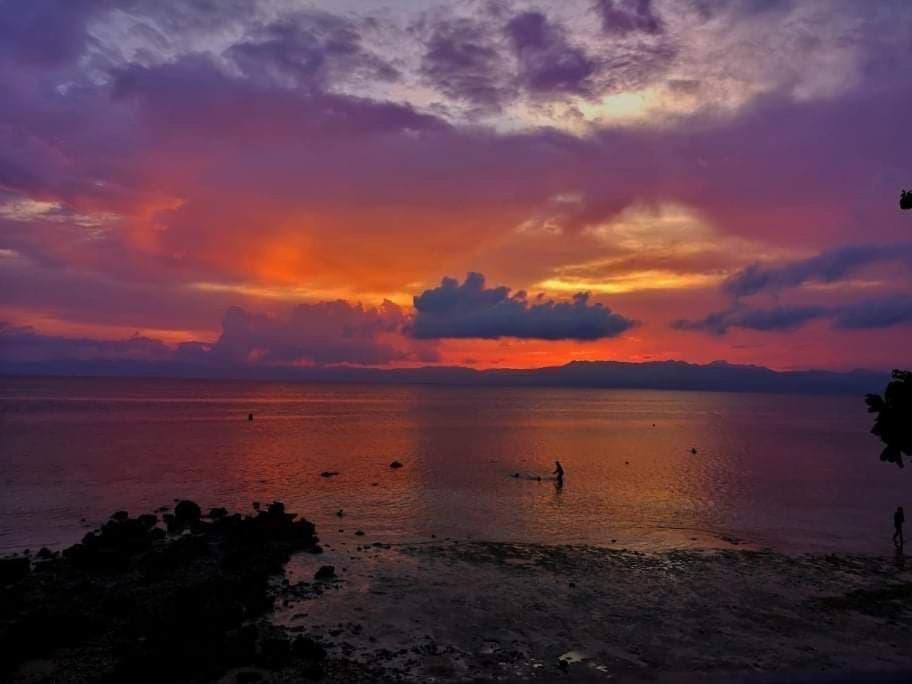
(375, 484)
(905, 200)
(326, 572)
(340, 513)
(328, 473)
(626, 462)
(256, 505)
(395, 464)
(359, 533)
(515, 474)
(249, 416)
(693, 450)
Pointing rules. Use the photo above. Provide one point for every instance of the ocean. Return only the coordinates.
(793, 473)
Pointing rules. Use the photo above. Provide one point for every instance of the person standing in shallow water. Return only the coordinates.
(559, 472)
(899, 517)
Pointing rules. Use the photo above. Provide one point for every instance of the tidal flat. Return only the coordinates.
(241, 598)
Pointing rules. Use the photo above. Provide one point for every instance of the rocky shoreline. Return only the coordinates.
(177, 598)
(185, 596)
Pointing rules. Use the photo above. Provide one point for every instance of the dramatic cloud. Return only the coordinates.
(471, 310)
(162, 161)
(866, 314)
(627, 16)
(316, 334)
(548, 62)
(870, 314)
(779, 318)
(462, 60)
(22, 344)
(827, 267)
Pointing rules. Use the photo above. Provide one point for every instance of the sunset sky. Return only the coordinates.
(484, 183)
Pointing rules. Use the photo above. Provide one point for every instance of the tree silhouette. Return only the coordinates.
(893, 423)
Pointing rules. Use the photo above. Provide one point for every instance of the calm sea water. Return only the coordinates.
(795, 473)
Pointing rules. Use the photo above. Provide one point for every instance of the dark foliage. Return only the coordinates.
(893, 423)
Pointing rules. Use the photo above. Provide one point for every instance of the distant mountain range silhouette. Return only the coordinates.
(669, 375)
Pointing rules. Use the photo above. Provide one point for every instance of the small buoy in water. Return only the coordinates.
(905, 200)
(693, 450)
(249, 416)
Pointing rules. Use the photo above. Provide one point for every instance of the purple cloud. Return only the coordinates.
(775, 319)
(628, 16)
(462, 61)
(548, 62)
(829, 266)
(470, 310)
(315, 334)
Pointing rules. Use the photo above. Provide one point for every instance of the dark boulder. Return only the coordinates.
(13, 569)
(147, 520)
(326, 572)
(187, 513)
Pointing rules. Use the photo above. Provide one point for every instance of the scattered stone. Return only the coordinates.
(326, 572)
(329, 473)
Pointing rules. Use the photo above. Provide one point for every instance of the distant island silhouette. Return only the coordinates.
(670, 375)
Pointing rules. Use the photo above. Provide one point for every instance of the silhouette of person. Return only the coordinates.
(899, 517)
(559, 471)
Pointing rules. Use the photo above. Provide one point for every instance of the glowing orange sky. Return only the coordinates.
(149, 189)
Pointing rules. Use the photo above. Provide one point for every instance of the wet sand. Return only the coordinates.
(476, 611)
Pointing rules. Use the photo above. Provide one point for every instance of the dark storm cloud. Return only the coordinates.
(46, 33)
(470, 310)
(872, 313)
(22, 344)
(628, 16)
(307, 49)
(778, 318)
(462, 60)
(547, 61)
(319, 334)
(827, 267)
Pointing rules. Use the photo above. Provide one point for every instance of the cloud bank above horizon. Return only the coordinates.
(286, 182)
